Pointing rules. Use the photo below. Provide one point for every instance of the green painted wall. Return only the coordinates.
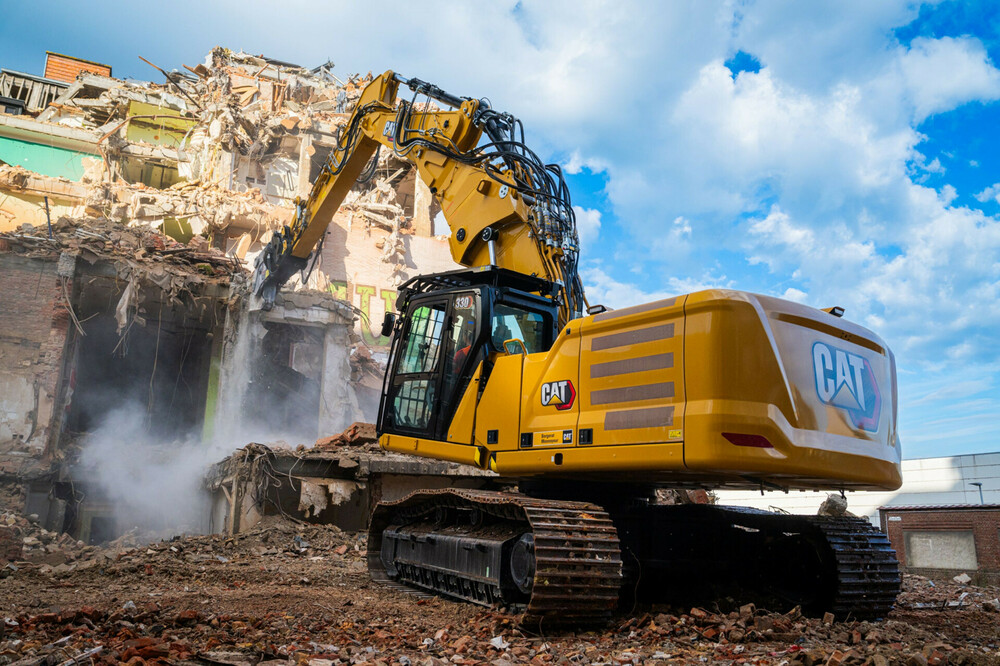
(46, 160)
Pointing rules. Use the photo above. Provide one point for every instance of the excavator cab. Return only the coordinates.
(449, 324)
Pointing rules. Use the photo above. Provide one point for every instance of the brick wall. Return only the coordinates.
(10, 543)
(28, 299)
(66, 68)
(34, 325)
(983, 522)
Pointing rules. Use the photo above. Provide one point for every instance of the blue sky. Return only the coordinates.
(828, 152)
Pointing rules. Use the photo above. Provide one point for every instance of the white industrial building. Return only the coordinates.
(948, 480)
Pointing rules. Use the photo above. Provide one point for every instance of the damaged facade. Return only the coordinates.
(130, 215)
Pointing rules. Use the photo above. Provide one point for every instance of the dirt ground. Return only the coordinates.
(301, 595)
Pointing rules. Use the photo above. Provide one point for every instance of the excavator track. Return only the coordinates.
(566, 554)
(868, 579)
(859, 575)
(561, 561)
(838, 564)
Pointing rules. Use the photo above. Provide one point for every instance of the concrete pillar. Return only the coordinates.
(305, 163)
(422, 198)
(338, 405)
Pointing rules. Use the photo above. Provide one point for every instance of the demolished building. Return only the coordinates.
(130, 215)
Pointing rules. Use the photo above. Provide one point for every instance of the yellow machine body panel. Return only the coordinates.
(464, 421)
(498, 407)
(549, 405)
(632, 374)
(719, 388)
(788, 393)
(429, 448)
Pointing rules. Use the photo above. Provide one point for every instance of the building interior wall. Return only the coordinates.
(160, 368)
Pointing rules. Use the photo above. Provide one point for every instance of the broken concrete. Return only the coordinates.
(336, 482)
(129, 214)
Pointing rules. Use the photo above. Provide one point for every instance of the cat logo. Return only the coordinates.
(846, 381)
(389, 130)
(561, 394)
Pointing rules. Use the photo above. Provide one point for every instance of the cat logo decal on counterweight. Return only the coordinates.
(846, 381)
(559, 394)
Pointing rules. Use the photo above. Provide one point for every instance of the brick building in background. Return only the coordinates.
(943, 541)
(66, 68)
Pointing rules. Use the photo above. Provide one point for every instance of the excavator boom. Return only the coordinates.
(504, 206)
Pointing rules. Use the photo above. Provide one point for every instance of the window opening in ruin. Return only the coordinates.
(283, 398)
(157, 176)
(321, 153)
(133, 399)
(160, 368)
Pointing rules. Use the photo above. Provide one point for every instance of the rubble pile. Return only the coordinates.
(233, 102)
(202, 206)
(195, 206)
(293, 594)
(365, 370)
(135, 252)
(358, 434)
(26, 543)
(920, 592)
(222, 148)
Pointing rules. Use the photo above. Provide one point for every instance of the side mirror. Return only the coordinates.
(388, 324)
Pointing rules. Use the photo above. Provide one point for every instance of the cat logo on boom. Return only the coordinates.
(846, 381)
(560, 394)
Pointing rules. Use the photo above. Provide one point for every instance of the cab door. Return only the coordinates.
(430, 365)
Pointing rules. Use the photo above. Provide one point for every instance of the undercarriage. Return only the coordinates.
(565, 561)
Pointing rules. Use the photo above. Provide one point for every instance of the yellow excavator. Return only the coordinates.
(504, 366)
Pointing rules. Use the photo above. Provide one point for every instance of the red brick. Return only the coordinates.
(66, 68)
(10, 543)
(983, 522)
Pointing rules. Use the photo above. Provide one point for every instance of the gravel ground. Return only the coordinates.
(301, 595)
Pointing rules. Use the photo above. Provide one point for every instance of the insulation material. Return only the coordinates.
(127, 305)
(281, 183)
(316, 494)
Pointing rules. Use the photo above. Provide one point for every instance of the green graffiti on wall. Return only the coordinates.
(361, 296)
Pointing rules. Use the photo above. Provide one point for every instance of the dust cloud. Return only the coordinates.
(149, 471)
(152, 483)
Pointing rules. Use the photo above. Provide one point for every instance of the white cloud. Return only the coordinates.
(588, 225)
(941, 74)
(779, 231)
(602, 288)
(796, 295)
(577, 163)
(990, 193)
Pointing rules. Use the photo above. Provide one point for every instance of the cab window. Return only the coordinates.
(463, 334)
(416, 395)
(515, 323)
